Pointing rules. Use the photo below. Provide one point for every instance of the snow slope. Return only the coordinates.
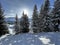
(50, 38)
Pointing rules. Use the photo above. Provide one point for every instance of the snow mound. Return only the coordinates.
(3, 36)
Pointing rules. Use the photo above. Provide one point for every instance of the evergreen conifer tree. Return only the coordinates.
(3, 24)
(41, 16)
(35, 20)
(56, 15)
(17, 29)
(44, 17)
(24, 24)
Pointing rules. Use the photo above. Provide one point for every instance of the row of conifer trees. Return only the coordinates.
(47, 20)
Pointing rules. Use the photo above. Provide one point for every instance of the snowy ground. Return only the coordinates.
(11, 29)
(32, 39)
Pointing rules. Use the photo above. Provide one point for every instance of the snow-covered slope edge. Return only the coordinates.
(50, 38)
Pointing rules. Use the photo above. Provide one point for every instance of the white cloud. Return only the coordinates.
(10, 15)
(19, 11)
(11, 11)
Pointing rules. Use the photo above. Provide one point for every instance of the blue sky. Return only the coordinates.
(13, 7)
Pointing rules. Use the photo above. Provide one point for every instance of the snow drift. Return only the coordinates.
(50, 38)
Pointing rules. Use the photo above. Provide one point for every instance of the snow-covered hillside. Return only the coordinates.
(11, 28)
(32, 39)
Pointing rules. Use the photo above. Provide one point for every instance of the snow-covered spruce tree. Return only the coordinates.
(40, 22)
(17, 29)
(3, 25)
(35, 20)
(44, 17)
(56, 15)
(24, 24)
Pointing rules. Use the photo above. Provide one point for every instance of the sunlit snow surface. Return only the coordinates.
(32, 39)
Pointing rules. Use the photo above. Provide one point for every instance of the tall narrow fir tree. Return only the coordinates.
(24, 24)
(17, 29)
(56, 15)
(3, 25)
(35, 20)
(44, 17)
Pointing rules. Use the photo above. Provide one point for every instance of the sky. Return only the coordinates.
(13, 7)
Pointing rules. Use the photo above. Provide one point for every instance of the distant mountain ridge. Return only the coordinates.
(11, 20)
